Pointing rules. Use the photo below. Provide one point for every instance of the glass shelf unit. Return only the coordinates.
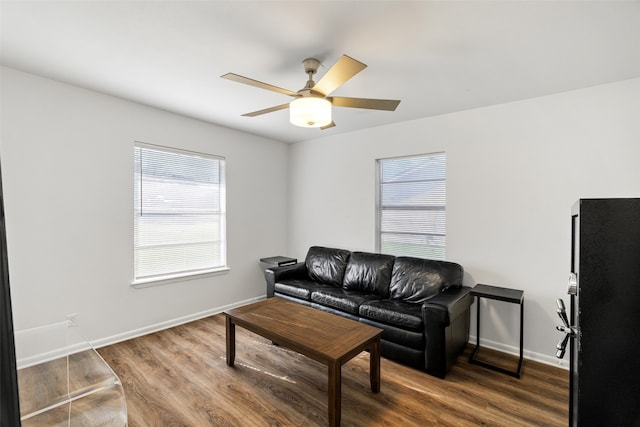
(63, 381)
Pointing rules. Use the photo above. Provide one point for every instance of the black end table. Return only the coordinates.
(279, 260)
(514, 296)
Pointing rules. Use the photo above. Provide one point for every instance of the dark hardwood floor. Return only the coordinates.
(179, 377)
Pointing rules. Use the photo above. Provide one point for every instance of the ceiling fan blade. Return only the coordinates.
(371, 104)
(266, 110)
(251, 82)
(330, 125)
(343, 70)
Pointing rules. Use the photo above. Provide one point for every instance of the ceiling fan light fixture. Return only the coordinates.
(310, 112)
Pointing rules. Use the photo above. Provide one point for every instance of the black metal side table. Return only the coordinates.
(279, 261)
(515, 296)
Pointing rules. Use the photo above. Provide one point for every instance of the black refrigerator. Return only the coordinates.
(9, 403)
(603, 324)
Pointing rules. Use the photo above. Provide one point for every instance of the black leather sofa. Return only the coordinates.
(420, 304)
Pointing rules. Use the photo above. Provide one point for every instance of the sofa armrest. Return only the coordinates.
(446, 328)
(275, 274)
(447, 306)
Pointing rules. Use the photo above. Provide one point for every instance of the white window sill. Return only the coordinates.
(173, 278)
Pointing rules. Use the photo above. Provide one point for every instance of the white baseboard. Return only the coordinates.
(494, 345)
(102, 342)
(47, 356)
(527, 354)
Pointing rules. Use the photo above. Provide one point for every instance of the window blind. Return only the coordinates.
(411, 208)
(179, 213)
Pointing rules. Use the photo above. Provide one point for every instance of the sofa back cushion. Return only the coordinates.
(369, 272)
(417, 280)
(327, 265)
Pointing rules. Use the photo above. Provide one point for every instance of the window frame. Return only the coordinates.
(179, 276)
(379, 202)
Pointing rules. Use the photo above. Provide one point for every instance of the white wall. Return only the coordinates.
(67, 168)
(513, 173)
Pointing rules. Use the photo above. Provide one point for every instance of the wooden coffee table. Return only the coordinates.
(329, 339)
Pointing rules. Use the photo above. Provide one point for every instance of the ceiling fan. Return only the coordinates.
(312, 104)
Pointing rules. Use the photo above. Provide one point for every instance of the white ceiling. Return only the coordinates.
(436, 56)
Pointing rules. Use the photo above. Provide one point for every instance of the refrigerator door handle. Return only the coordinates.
(561, 347)
(562, 312)
(572, 289)
(568, 330)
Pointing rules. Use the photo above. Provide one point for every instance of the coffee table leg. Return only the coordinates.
(335, 392)
(231, 342)
(374, 365)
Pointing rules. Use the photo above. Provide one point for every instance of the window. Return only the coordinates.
(179, 213)
(411, 215)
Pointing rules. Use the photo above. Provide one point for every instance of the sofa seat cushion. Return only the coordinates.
(398, 313)
(299, 288)
(399, 336)
(341, 299)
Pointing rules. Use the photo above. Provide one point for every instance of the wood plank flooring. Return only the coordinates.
(179, 377)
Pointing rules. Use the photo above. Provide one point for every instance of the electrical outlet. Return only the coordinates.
(73, 318)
